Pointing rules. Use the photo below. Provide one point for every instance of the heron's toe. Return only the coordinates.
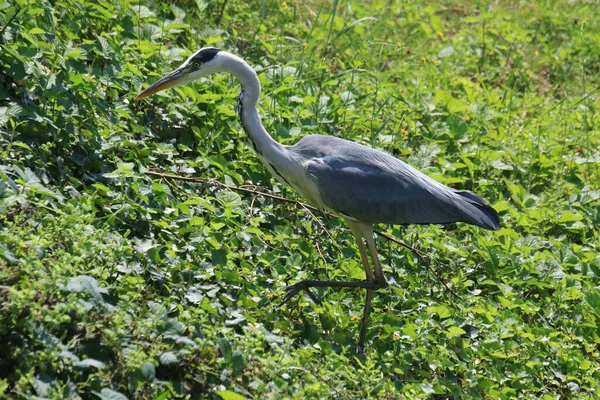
(293, 290)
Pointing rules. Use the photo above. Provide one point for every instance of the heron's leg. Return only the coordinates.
(379, 279)
(294, 289)
(379, 276)
(357, 230)
(365, 318)
(372, 283)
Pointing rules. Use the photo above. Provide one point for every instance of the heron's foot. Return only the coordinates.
(293, 290)
(381, 283)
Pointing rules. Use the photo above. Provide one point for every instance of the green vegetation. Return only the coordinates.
(117, 282)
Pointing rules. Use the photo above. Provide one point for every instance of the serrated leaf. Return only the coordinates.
(168, 358)
(103, 44)
(75, 54)
(229, 198)
(15, 110)
(84, 283)
(458, 127)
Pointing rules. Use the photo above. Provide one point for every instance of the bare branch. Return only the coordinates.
(238, 188)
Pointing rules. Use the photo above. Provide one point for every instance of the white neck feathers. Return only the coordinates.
(245, 74)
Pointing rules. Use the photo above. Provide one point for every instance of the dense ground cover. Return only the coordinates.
(116, 281)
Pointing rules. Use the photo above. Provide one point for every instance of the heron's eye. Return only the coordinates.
(196, 64)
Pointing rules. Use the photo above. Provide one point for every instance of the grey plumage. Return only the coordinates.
(370, 186)
(360, 184)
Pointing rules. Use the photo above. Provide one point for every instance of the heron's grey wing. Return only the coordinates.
(371, 186)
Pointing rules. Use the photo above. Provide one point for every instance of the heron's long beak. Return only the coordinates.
(168, 81)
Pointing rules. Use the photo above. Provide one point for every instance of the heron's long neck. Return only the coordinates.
(264, 145)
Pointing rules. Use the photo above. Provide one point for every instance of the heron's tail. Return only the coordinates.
(478, 212)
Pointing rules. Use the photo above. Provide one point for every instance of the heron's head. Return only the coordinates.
(202, 63)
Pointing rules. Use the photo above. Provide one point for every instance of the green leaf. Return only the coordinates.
(593, 299)
(75, 54)
(225, 348)
(148, 371)
(501, 165)
(87, 284)
(436, 23)
(194, 296)
(410, 330)
(90, 362)
(168, 358)
(427, 388)
(43, 384)
(455, 331)
(229, 198)
(109, 394)
(237, 363)
(219, 257)
(594, 269)
(569, 217)
(352, 25)
(229, 395)
(458, 127)
(441, 310)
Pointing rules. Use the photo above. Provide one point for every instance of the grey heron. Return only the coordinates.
(359, 184)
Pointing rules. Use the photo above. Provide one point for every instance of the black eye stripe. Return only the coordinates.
(205, 55)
